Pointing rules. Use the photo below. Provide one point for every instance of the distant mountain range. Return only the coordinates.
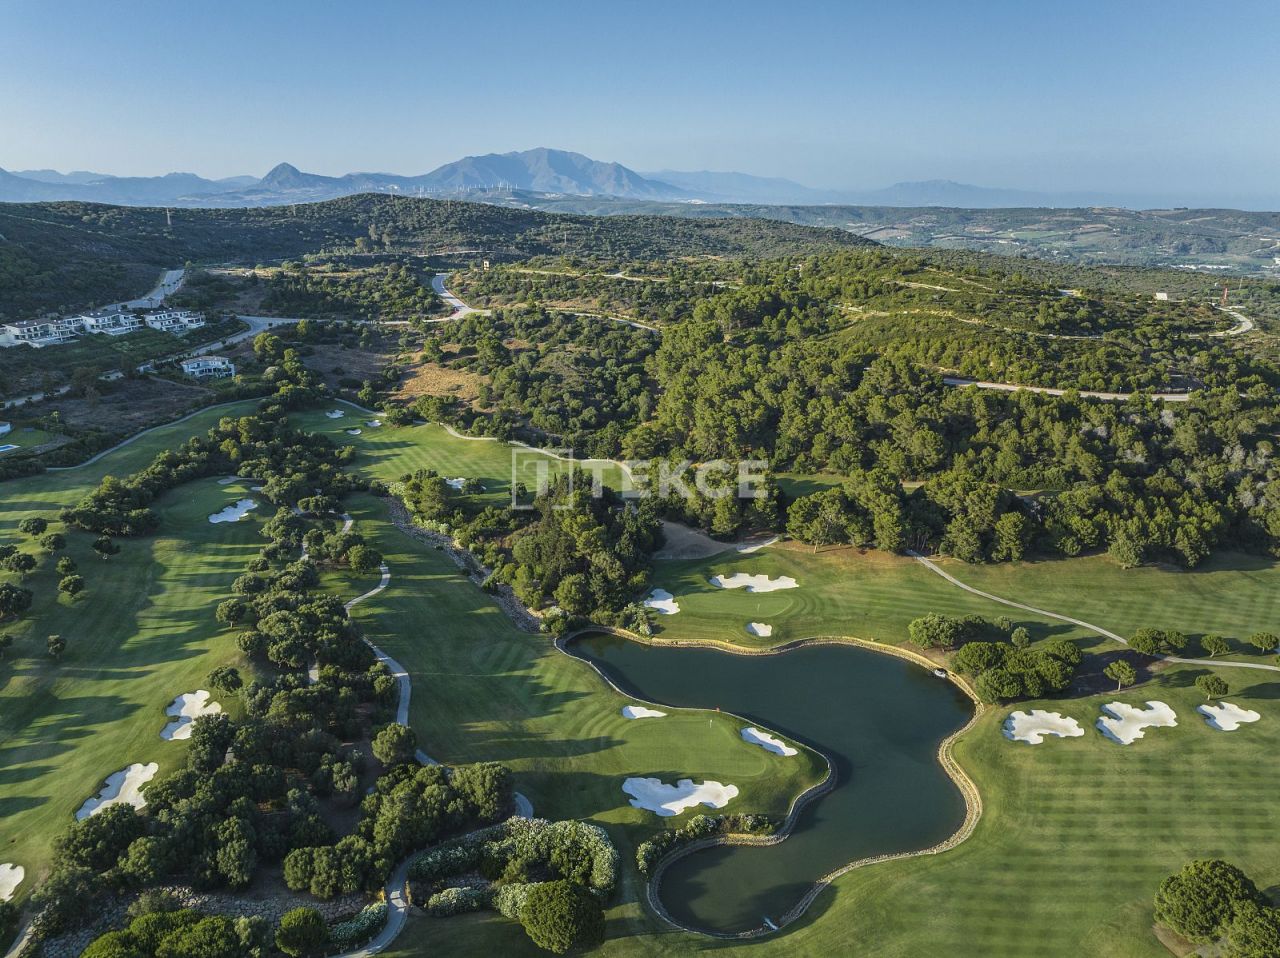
(550, 173)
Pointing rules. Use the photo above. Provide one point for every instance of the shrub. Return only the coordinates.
(559, 915)
(1202, 899)
(356, 931)
(301, 931)
(457, 901)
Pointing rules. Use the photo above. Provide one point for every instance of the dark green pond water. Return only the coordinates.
(880, 720)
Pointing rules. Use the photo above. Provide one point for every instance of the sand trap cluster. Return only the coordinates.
(1125, 723)
(666, 800)
(639, 712)
(1226, 717)
(184, 710)
(122, 788)
(354, 432)
(235, 512)
(10, 878)
(753, 583)
(767, 741)
(762, 629)
(1031, 727)
(660, 600)
(335, 414)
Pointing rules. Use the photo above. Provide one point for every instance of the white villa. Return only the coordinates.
(113, 321)
(208, 367)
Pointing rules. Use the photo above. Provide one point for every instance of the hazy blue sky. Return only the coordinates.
(1117, 95)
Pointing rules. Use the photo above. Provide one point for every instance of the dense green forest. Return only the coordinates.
(72, 255)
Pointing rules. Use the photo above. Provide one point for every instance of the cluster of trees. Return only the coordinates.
(653, 850)
(1001, 670)
(397, 289)
(411, 807)
(1210, 901)
(185, 933)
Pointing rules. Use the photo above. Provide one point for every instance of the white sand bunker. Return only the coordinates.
(373, 423)
(227, 480)
(354, 432)
(335, 414)
(767, 741)
(10, 878)
(457, 483)
(667, 800)
(184, 710)
(1031, 727)
(753, 583)
(122, 788)
(1126, 722)
(1226, 717)
(660, 600)
(639, 712)
(761, 629)
(234, 513)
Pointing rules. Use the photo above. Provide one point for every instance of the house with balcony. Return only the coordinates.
(31, 332)
(113, 321)
(208, 367)
(173, 320)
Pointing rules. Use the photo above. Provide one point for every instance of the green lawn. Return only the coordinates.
(142, 633)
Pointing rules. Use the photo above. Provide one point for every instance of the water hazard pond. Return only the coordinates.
(879, 718)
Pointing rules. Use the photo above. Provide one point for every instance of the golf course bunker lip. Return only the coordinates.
(1125, 724)
(762, 629)
(11, 876)
(335, 414)
(1031, 727)
(1226, 716)
(662, 601)
(641, 712)
(234, 512)
(122, 788)
(753, 583)
(184, 710)
(768, 742)
(655, 795)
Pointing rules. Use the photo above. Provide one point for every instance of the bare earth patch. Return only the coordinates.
(432, 379)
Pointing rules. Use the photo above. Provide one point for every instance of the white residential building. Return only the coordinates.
(173, 320)
(114, 321)
(30, 332)
(5, 427)
(208, 367)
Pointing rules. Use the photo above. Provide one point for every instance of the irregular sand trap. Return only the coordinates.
(639, 712)
(185, 709)
(1226, 717)
(122, 788)
(373, 423)
(1126, 722)
(227, 480)
(234, 513)
(335, 414)
(1031, 727)
(760, 628)
(767, 741)
(354, 432)
(10, 878)
(753, 583)
(660, 600)
(668, 800)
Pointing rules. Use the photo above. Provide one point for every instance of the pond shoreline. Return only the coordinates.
(945, 758)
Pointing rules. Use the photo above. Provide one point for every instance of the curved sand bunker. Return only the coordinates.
(354, 432)
(335, 414)
(1031, 727)
(122, 788)
(184, 710)
(667, 800)
(767, 741)
(762, 629)
(660, 600)
(640, 712)
(235, 512)
(1125, 723)
(1226, 717)
(373, 423)
(10, 878)
(753, 583)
